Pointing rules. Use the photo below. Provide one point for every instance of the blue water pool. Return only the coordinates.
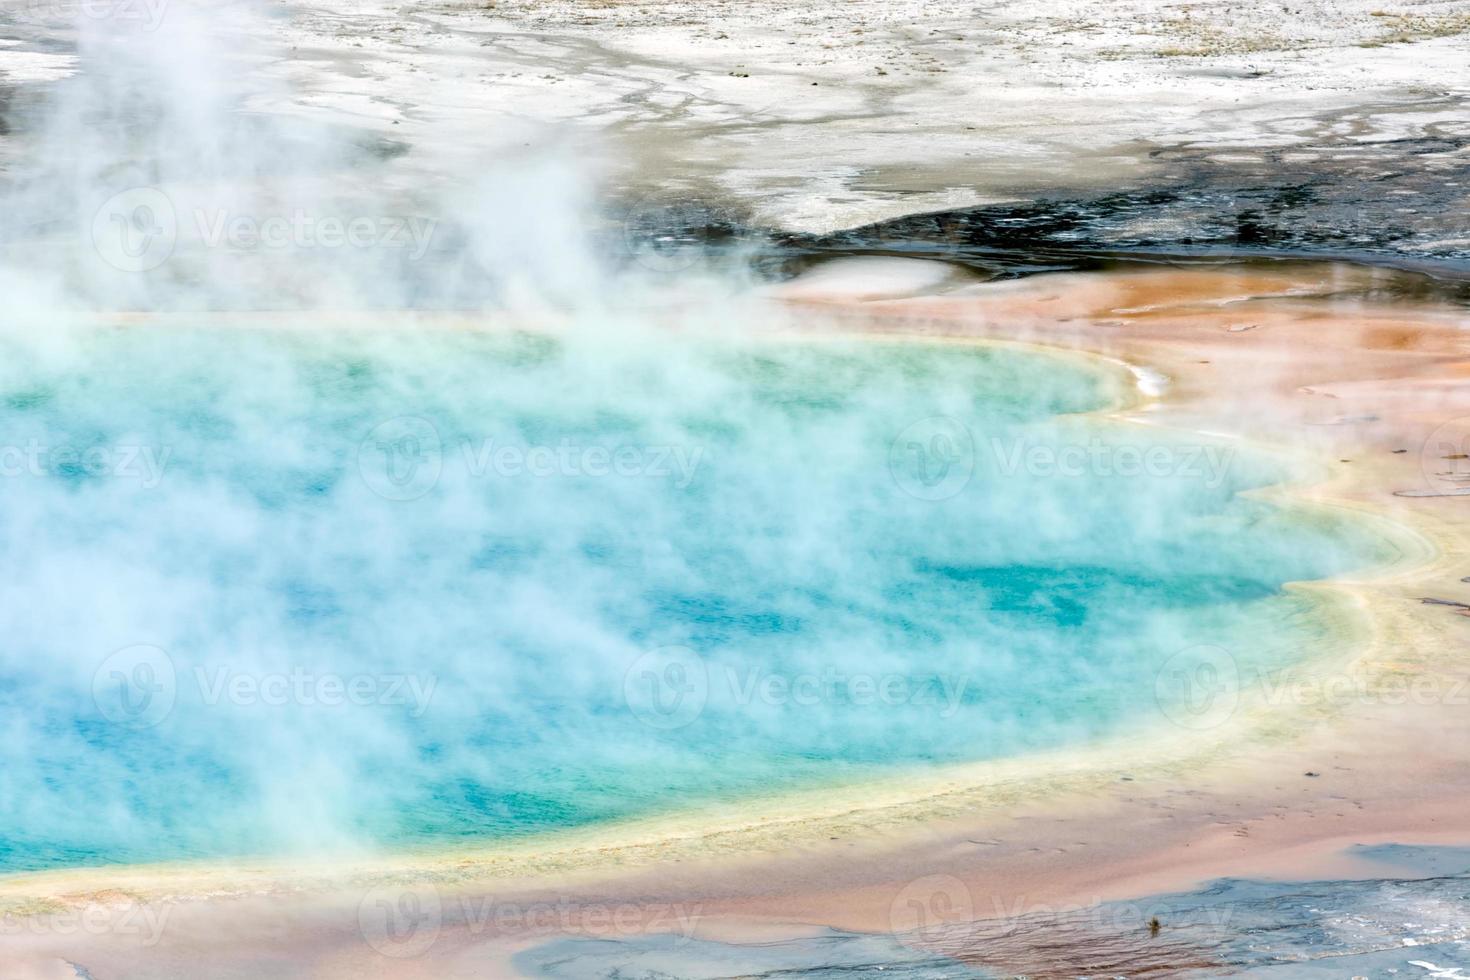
(278, 590)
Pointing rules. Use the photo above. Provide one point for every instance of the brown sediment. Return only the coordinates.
(1352, 386)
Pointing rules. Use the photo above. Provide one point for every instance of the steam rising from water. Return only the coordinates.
(178, 169)
(270, 590)
(378, 589)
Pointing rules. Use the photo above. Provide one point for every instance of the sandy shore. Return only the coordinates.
(1362, 746)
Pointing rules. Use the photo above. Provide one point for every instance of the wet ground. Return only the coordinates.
(1330, 130)
(1410, 218)
(1412, 922)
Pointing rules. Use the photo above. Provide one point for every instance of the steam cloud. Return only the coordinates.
(289, 588)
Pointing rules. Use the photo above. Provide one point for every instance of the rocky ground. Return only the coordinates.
(1341, 122)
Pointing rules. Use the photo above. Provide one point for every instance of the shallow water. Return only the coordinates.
(1413, 922)
(269, 591)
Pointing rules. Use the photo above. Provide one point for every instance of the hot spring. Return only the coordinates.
(279, 590)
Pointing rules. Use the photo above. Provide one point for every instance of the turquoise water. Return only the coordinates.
(270, 592)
